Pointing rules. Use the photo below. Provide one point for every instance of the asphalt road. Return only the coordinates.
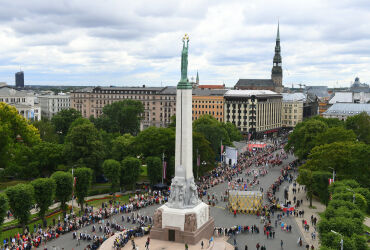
(223, 218)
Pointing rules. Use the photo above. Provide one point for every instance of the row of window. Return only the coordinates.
(198, 101)
(206, 112)
(12, 100)
(207, 106)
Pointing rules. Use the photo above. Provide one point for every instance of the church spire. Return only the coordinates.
(278, 33)
(277, 71)
(197, 79)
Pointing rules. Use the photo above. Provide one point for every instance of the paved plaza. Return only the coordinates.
(223, 218)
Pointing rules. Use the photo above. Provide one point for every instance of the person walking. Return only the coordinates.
(202, 244)
(258, 246)
(186, 246)
(245, 247)
(147, 243)
(281, 244)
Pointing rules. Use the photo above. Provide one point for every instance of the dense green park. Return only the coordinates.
(39, 159)
(325, 146)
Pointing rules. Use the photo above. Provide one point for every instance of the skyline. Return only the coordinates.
(125, 44)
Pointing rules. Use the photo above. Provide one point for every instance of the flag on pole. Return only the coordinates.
(330, 181)
(198, 160)
(164, 169)
(74, 181)
(249, 136)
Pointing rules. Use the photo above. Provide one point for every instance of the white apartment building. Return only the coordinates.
(52, 104)
(24, 101)
(253, 111)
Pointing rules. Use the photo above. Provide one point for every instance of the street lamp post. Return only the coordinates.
(333, 173)
(354, 196)
(341, 239)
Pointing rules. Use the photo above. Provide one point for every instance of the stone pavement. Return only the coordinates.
(217, 244)
(308, 212)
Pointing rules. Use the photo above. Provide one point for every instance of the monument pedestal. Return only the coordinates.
(188, 225)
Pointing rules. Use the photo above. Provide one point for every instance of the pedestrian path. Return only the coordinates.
(308, 212)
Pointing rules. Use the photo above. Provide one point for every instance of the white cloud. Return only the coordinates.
(133, 42)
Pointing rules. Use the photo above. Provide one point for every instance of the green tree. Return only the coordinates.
(14, 129)
(213, 131)
(3, 208)
(47, 156)
(335, 134)
(47, 130)
(122, 146)
(320, 185)
(155, 141)
(21, 197)
(154, 166)
(63, 119)
(131, 170)
(303, 137)
(112, 170)
(360, 124)
(83, 183)
(83, 144)
(350, 160)
(233, 132)
(206, 153)
(122, 117)
(64, 186)
(44, 189)
(305, 177)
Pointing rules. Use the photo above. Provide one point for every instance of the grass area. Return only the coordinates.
(97, 186)
(97, 203)
(4, 185)
(144, 171)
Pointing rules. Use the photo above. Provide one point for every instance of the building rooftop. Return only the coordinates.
(319, 91)
(341, 97)
(247, 93)
(211, 86)
(209, 92)
(254, 83)
(347, 109)
(291, 97)
(8, 91)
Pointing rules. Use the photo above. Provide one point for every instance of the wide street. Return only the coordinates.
(223, 218)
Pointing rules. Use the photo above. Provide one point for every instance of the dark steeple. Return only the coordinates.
(277, 71)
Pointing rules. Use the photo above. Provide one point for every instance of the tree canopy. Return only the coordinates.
(360, 124)
(83, 183)
(83, 144)
(44, 189)
(3, 208)
(122, 117)
(63, 120)
(112, 170)
(131, 171)
(122, 146)
(154, 166)
(21, 210)
(64, 186)
(14, 129)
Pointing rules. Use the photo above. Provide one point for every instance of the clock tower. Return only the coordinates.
(277, 71)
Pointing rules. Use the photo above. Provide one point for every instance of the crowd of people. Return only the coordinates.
(101, 219)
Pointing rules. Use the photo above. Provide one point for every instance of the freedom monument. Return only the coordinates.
(184, 218)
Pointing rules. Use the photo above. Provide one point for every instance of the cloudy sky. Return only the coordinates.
(132, 42)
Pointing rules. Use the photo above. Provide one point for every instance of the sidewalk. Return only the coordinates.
(301, 195)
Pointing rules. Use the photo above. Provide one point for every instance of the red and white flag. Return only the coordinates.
(330, 181)
(198, 161)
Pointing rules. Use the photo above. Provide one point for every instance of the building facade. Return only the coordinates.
(19, 79)
(159, 103)
(344, 110)
(276, 81)
(208, 102)
(25, 102)
(52, 104)
(253, 111)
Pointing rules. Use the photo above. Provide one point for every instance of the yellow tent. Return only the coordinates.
(248, 202)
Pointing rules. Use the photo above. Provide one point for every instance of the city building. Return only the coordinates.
(52, 104)
(297, 107)
(24, 101)
(343, 110)
(357, 86)
(19, 79)
(322, 94)
(158, 102)
(208, 101)
(276, 81)
(253, 111)
(340, 97)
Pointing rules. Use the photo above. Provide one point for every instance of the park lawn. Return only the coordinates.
(4, 185)
(97, 203)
